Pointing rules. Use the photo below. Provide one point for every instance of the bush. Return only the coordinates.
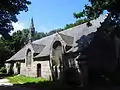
(3, 70)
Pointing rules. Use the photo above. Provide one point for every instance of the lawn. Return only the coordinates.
(24, 79)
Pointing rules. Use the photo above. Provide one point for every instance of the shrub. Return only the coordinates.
(3, 70)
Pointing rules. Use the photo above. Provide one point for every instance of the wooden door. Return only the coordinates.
(38, 70)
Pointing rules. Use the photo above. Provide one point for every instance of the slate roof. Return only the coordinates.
(37, 48)
(20, 55)
(75, 32)
(70, 36)
(47, 42)
(67, 39)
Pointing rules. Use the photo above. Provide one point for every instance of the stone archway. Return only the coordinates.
(39, 70)
(57, 60)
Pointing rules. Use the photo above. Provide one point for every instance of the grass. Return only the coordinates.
(24, 79)
(1, 73)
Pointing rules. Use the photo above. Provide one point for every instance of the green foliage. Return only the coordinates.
(97, 7)
(6, 50)
(3, 70)
(39, 35)
(18, 40)
(78, 22)
(24, 79)
(8, 11)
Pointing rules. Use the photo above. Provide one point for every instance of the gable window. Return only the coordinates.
(28, 57)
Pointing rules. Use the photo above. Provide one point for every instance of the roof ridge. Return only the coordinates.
(37, 44)
(73, 27)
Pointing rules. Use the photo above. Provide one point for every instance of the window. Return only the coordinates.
(28, 57)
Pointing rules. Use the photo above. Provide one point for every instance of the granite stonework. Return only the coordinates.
(31, 70)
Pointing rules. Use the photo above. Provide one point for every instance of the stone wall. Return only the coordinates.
(31, 71)
(11, 66)
(15, 69)
(45, 69)
(7, 66)
(23, 69)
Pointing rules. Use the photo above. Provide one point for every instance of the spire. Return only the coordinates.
(31, 30)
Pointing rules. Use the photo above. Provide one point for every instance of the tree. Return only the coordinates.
(20, 38)
(6, 50)
(78, 22)
(97, 7)
(39, 35)
(8, 11)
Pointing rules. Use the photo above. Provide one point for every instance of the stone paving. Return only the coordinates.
(5, 82)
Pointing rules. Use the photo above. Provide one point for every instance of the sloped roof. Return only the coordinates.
(70, 36)
(47, 42)
(20, 55)
(80, 30)
(68, 39)
(37, 47)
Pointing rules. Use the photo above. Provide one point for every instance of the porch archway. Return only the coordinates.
(57, 60)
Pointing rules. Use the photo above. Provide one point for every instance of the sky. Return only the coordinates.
(49, 14)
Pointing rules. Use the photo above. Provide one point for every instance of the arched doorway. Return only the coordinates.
(39, 70)
(57, 60)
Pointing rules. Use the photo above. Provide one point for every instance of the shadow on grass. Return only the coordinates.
(97, 82)
(4, 75)
(49, 85)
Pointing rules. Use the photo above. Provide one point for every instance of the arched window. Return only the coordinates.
(28, 57)
(57, 62)
(57, 52)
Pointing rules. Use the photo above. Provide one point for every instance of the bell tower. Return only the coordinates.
(31, 31)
